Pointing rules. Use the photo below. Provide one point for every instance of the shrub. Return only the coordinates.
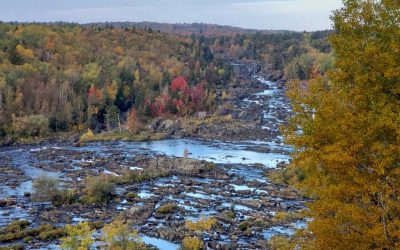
(16, 230)
(87, 136)
(52, 234)
(45, 188)
(279, 242)
(12, 247)
(192, 243)
(131, 196)
(202, 225)
(33, 125)
(245, 225)
(64, 197)
(48, 189)
(11, 237)
(28, 239)
(167, 208)
(99, 190)
(96, 224)
(15, 226)
(78, 237)
(231, 213)
(120, 236)
(287, 176)
(132, 176)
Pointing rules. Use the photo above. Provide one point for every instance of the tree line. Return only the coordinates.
(62, 76)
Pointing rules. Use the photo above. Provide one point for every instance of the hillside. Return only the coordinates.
(62, 77)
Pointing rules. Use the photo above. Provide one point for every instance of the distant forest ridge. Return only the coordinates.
(206, 29)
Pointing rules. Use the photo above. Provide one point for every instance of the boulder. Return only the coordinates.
(7, 202)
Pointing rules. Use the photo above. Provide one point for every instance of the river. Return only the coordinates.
(246, 188)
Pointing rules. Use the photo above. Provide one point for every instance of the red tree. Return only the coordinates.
(179, 84)
(179, 105)
(159, 105)
(197, 95)
(93, 92)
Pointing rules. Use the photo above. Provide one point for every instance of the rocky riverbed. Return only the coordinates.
(223, 175)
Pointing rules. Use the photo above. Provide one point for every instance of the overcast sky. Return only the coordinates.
(259, 14)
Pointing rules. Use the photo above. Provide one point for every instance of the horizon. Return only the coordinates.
(291, 15)
(161, 23)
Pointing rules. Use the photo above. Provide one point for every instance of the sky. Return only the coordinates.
(296, 15)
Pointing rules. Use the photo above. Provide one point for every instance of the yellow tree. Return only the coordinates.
(120, 236)
(347, 133)
(79, 237)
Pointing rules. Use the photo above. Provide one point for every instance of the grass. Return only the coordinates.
(32, 140)
(19, 230)
(12, 247)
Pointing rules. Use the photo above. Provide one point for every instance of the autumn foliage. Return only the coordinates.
(179, 98)
(179, 84)
(346, 134)
(133, 121)
(80, 76)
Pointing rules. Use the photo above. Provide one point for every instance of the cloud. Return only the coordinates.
(261, 14)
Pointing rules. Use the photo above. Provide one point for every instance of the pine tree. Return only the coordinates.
(112, 118)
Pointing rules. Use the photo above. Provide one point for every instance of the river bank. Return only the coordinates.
(235, 190)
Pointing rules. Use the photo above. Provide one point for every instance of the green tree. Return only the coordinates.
(91, 74)
(113, 118)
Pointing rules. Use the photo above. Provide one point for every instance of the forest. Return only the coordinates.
(62, 77)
